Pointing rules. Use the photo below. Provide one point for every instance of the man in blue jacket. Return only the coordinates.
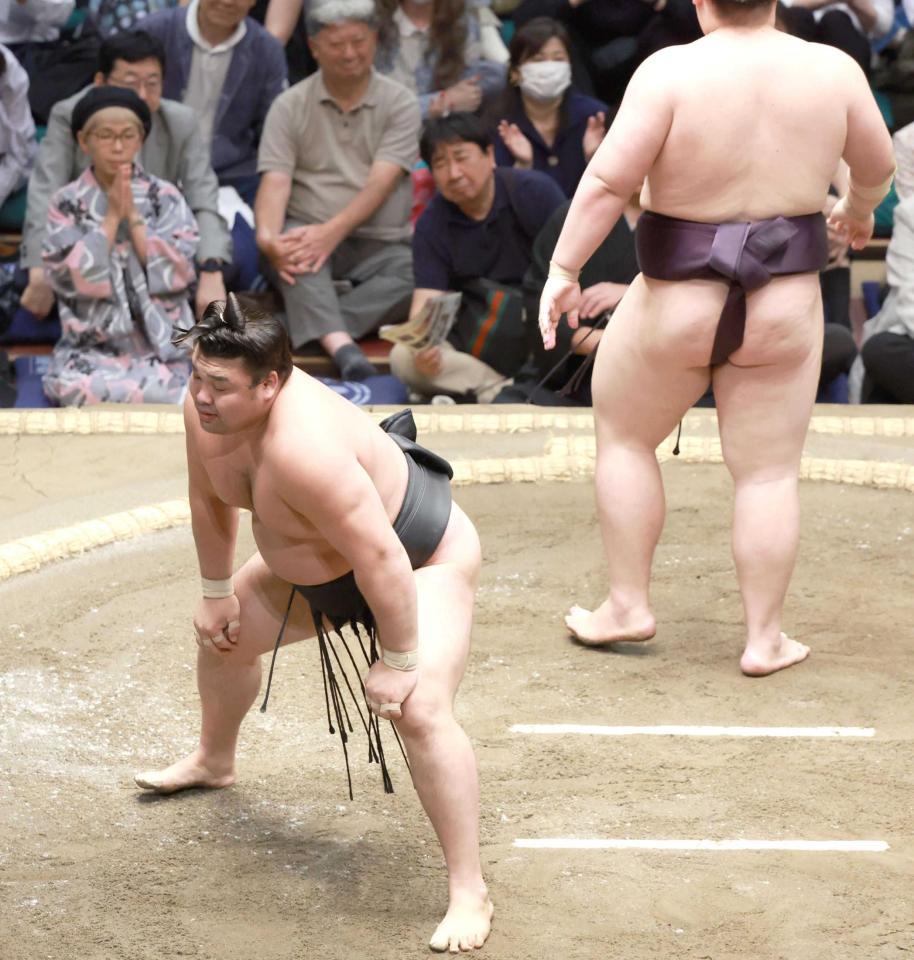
(228, 69)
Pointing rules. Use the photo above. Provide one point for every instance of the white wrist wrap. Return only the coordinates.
(400, 661)
(217, 589)
(558, 272)
(871, 193)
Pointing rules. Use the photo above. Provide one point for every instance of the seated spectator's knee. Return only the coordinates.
(403, 364)
(839, 350)
(876, 351)
(402, 264)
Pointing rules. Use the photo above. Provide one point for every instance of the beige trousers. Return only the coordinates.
(459, 373)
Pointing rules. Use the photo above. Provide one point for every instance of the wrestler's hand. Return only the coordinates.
(384, 685)
(559, 296)
(217, 623)
(851, 227)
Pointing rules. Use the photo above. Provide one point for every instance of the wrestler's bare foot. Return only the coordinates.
(758, 660)
(610, 623)
(185, 774)
(466, 924)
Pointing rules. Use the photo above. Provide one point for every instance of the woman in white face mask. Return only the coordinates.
(543, 122)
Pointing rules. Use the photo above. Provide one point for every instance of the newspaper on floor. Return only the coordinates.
(429, 327)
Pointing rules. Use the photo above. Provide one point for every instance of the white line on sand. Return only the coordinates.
(691, 731)
(808, 846)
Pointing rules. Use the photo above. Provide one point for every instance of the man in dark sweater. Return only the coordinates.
(480, 225)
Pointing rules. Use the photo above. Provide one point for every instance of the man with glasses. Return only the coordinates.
(172, 152)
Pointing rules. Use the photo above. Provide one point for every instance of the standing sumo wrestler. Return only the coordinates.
(735, 139)
(352, 524)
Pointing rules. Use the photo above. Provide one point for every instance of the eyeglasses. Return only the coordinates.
(126, 137)
(149, 84)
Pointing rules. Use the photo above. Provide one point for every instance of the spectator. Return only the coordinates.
(903, 142)
(435, 49)
(332, 211)
(491, 44)
(604, 279)
(29, 22)
(888, 339)
(119, 253)
(228, 70)
(674, 22)
(171, 152)
(611, 39)
(543, 122)
(114, 16)
(283, 18)
(17, 130)
(848, 26)
(480, 225)
(58, 60)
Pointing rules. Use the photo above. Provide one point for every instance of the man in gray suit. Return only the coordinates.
(172, 151)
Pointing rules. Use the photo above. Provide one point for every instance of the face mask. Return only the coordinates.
(545, 79)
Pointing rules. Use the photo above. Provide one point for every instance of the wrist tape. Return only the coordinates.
(217, 589)
(558, 272)
(397, 660)
(871, 193)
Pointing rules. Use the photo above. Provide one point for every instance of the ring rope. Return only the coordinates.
(62, 543)
(477, 420)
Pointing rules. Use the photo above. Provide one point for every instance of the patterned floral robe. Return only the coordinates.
(117, 315)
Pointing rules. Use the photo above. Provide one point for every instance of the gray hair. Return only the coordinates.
(323, 13)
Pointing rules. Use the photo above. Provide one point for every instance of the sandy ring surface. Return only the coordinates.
(566, 459)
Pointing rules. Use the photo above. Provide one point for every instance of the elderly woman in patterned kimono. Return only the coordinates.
(119, 254)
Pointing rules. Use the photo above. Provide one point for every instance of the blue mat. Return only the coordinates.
(380, 389)
(25, 328)
(836, 391)
(872, 297)
(29, 371)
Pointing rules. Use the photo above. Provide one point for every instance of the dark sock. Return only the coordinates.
(352, 363)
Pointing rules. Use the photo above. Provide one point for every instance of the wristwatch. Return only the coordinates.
(211, 265)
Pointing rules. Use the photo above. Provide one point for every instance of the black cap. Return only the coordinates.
(100, 98)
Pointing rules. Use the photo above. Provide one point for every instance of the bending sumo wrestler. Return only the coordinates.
(733, 141)
(360, 523)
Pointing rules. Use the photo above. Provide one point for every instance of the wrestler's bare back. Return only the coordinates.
(739, 125)
(757, 123)
(309, 427)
